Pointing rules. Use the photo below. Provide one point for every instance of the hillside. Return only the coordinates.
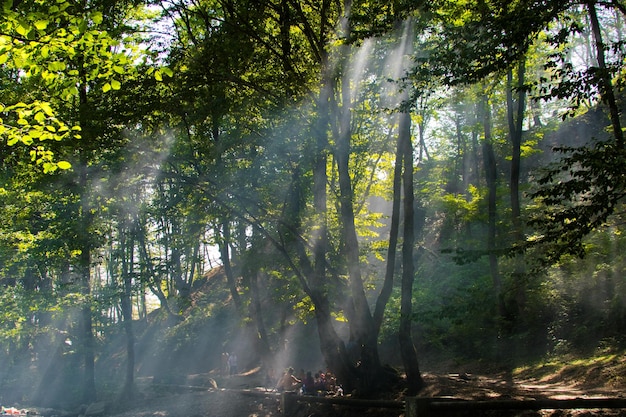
(183, 379)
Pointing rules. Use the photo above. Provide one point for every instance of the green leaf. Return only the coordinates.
(56, 66)
(167, 71)
(22, 28)
(35, 134)
(45, 107)
(106, 87)
(158, 76)
(40, 117)
(64, 165)
(96, 18)
(41, 24)
(116, 85)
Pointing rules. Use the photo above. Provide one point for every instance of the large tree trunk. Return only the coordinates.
(407, 348)
(331, 345)
(362, 324)
(361, 321)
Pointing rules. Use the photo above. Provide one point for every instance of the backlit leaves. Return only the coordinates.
(35, 122)
(47, 43)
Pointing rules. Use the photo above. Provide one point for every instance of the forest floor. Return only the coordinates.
(240, 396)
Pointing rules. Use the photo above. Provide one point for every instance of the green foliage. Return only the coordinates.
(55, 47)
(481, 38)
(588, 293)
(219, 147)
(459, 206)
(577, 194)
(452, 308)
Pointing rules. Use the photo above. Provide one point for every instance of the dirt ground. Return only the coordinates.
(240, 397)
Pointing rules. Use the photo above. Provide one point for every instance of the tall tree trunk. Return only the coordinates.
(224, 247)
(461, 156)
(89, 377)
(515, 116)
(606, 86)
(394, 228)
(183, 291)
(361, 323)
(407, 348)
(85, 222)
(332, 347)
(312, 273)
(256, 311)
(423, 150)
(127, 251)
(491, 176)
(153, 282)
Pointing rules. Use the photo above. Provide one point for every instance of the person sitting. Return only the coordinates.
(308, 384)
(320, 382)
(331, 381)
(288, 382)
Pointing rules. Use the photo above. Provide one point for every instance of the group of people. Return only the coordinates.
(304, 383)
(321, 384)
(229, 364)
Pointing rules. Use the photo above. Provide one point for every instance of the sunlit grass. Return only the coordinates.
(606, 365)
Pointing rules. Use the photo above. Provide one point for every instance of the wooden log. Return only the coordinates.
(289, 400)
(426, 407)
(547, 404)
(417, 407)
(352, 402)
(288, 403)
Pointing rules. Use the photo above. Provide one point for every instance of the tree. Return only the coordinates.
(516, 110)
(491, 176)
(409, 355)
(67, 53)
(580, 192)
(31, 42)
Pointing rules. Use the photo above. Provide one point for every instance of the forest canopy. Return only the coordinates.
(402, 182)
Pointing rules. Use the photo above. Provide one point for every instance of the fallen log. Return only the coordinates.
(426, 407)
(290, 399)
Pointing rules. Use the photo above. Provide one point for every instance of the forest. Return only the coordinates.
(368, 187)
